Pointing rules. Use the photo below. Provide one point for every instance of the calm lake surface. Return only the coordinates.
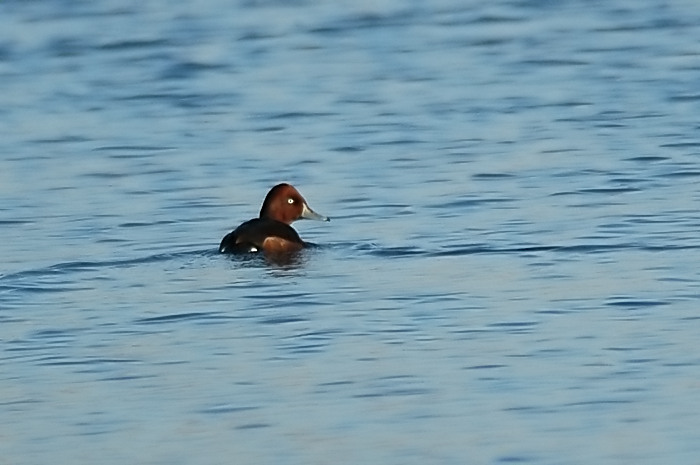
(510, 274)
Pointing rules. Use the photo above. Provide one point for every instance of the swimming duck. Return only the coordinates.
(271, 231)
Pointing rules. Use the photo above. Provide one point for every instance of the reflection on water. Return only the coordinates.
(510, 275)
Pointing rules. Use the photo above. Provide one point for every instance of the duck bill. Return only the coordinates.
(308, 214)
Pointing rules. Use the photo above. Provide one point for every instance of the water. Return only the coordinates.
(510, 275)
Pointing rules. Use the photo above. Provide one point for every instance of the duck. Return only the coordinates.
(271, 232)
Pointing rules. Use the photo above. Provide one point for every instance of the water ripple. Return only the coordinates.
(197, 317)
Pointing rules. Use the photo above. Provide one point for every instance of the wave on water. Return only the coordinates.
(79, 266)
(474, 249)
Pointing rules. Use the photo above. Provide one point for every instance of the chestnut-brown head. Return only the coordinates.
(284, 203)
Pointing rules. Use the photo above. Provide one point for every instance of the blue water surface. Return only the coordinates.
(510, 274)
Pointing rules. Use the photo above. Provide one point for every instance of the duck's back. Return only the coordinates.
(253, 235)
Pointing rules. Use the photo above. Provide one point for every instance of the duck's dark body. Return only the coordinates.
(253, 235)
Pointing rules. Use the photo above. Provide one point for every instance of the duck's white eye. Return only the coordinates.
(290, 200)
